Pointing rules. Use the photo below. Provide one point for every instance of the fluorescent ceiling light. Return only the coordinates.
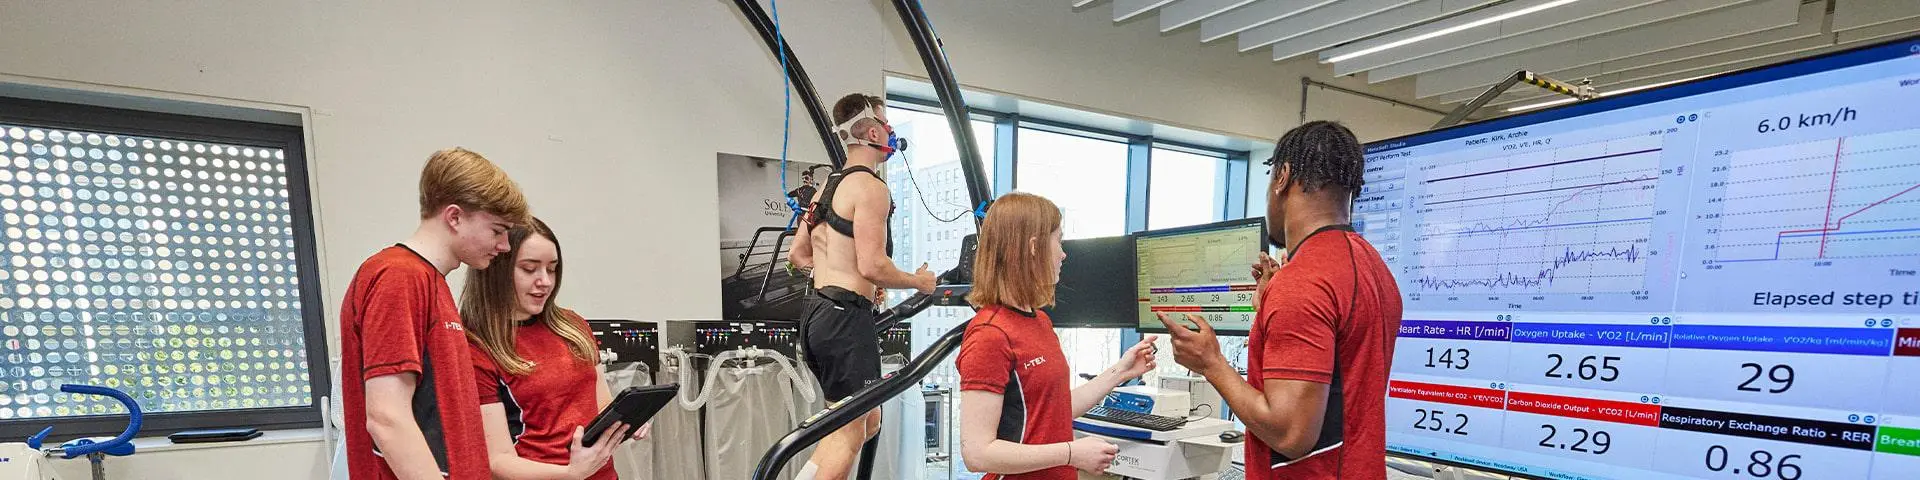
(1562, 101)
(1450, 30)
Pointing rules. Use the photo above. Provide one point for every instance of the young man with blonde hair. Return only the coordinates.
(408, 389)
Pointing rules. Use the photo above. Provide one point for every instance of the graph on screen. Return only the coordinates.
(1568, 220)
(1717, 280)
(1199, 270)
(1843, 198)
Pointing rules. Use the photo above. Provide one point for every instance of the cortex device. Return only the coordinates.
(1150, 400)
(633, 406)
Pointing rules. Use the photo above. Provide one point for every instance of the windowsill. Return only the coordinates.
(268, 437)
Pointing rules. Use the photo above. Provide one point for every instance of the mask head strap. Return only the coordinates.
(845, 130)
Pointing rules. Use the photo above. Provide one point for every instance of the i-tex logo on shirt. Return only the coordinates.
(455, 326)
(1035, 362)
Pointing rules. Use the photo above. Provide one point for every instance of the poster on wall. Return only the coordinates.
(756, 282)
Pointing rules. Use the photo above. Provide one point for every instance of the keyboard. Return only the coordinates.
(1135, 419)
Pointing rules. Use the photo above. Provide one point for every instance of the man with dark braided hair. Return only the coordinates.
(1314, 397)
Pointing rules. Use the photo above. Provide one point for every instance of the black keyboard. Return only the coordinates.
(1135, 419)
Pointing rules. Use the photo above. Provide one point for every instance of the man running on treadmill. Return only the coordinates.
(851, 259)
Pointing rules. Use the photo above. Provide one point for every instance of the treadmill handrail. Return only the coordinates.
(855, 406)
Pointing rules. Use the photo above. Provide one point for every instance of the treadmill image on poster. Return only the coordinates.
(756, 283)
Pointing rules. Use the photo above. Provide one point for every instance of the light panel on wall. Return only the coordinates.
(130, 308)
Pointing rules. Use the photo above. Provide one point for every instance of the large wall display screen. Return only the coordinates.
(1715, 279)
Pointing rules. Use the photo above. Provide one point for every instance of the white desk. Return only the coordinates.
(1188, 452)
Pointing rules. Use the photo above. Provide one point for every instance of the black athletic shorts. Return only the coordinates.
(838, 339)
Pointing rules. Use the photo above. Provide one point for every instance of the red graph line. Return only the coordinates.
(1825, 229)
(1826, 224)
(1830, 183)
(1836, 223)
(1832, 180)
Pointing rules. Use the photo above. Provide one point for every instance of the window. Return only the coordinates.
(1087, 177)
(166, 256)
(1090, 350)
(1184, 189)
(932, 210)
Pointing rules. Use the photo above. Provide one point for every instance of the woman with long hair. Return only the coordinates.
(536, 366)
(1016, 404)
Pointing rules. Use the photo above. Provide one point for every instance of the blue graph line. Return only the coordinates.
(1778, 240)
(1544, 277)
(1472, 230)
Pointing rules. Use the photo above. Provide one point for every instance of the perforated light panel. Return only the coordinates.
(160, 267)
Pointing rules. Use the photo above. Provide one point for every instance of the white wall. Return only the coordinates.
(607, 112)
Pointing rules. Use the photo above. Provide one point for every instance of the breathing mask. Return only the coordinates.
(845, 131)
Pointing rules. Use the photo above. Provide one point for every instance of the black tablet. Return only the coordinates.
(633, 406)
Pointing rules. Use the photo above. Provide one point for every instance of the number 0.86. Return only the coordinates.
(1760, 464)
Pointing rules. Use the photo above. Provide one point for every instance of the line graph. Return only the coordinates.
(1842, 198)
(1572, 220)
(1546, 275)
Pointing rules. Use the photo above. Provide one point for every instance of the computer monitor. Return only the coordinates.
(1710, 280)
(1202, 269)
(1096, 284)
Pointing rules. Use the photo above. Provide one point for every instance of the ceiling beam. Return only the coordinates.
(1689, 30)
(1082, 3)
(1185, 12)
(1541, 19)
(1377, 24)
(1125, 9)
(1784, 11)
(1708, 65)
(1253, 15)
(1318, 19)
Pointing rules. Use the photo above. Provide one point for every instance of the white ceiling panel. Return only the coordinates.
(1253, 15)
(1383, 22)
(1550, 17)
(1781, 11)
(1125, 9)
(1329, 16)
(1689, 30)
(1615, 44)
(1185, 12)
(1879, 32)
(1852, 14)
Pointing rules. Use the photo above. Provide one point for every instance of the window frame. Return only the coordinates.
(292, 141)
(1006, 162)
(1139, 163)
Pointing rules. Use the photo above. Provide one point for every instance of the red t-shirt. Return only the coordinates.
(1329, 316)
(544, 405)
(399, 317)
(1016, 354)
